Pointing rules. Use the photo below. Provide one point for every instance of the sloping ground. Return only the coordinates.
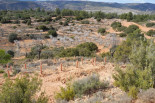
(52, 80)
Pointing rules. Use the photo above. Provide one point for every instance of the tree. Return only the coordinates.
(4, 57)
(129, 16)
(57, 11)
(13, 37)
(22, 90)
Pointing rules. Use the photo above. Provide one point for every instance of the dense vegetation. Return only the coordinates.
(85, 86)
(22, 90)
(41, 15)
(86, 49)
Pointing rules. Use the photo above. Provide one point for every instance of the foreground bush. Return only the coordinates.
(85, 86)
(139, 75)
(21, 91)
(66, 93)
(88, 85)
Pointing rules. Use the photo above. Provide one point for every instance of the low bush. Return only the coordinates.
(132, 80)
(88, 45)
(116, 25)
(4, 57)
(10, 52)
(131, 29)
(102, 31)
(85, 86)
(88, 85)
(42, 27)
(46, 54)
(150, 24)
(22, 90)
(122, 28)
(66, 93)
(122, 35)
(53, 33)
(151, 33)
(13, 37)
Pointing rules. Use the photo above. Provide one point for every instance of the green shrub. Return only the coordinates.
(132, 80)
(102, 31)
(116, 25)
(4, 57)
(85, 52)
(151, 33)
(66, 93)
(46, 54)
(88, 85)
(141, 71)
(13, 37)
(81, 87)
(122, 28)
(122, 35)
(10, 52)
(51, 32)
(69, 52)
(42, 27)
(21, 90)
(36, 51)
(123, 51)
(89, 46)
(150, 24)
(131, 29)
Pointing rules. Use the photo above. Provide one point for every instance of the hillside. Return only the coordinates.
(79, 5)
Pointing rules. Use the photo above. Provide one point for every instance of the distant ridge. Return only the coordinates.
(78, 5)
